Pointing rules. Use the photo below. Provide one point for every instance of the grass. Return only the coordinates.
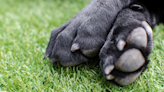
(25, 27)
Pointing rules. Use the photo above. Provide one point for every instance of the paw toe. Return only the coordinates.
(138, 37)
(128, 79)
(90, 53)
(130, 61)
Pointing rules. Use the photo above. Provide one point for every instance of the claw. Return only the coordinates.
(149, 33)
(147, 28)
(121, 44)
(53, 60)
(138, 37)
(110, 77)
(128, 79)
(46, 56)
(75, 47)
(108, 69)
(90, 53)
(130, 61)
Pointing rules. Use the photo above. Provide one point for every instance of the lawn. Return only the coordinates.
(25, 27)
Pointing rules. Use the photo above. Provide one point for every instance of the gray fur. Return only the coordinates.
(126, 21)
(91, 29)
(88, 28)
